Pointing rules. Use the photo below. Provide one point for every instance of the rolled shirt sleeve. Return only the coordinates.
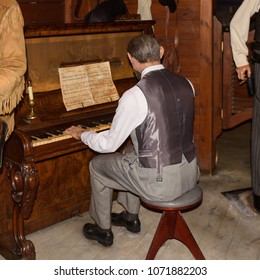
(239, 29)
(130, 113)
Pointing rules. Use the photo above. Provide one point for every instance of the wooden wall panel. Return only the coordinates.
(35, 12)
(217, 79)
(206, 142)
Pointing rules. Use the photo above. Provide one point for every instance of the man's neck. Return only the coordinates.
(148, 64)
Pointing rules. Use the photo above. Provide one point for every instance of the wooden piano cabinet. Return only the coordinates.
(47, 183)
(24, 180)
(45, 192)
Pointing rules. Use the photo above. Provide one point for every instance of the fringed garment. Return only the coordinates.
(12, 60)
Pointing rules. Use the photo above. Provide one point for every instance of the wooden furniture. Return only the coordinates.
(50, 181)
(172, 225)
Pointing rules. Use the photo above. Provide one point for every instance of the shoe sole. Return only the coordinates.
(134, 231)
(128, 228)
(106, 244)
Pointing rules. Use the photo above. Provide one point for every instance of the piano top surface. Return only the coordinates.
(83, 28)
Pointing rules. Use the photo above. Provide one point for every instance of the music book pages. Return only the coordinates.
(87, 85)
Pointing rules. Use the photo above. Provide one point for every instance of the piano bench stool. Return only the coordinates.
(172, 225)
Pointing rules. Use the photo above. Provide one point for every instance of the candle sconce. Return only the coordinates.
(32, 116)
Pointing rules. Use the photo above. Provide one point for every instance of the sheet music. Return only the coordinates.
(87, 85)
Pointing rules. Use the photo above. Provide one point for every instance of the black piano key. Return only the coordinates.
(105, 120)
(89, 124)
(49, 134)
(60, 130)
(42, 135)
(55, 132)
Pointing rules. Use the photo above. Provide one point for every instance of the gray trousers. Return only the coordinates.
(255, 139)
(122, 172)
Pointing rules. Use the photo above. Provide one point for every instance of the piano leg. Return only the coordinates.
(24, 181)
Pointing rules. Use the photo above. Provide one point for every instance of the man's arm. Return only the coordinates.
(130, 113)
(239, 29)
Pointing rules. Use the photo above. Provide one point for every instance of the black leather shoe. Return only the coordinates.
(102, 236)
(3, 132)
(120, 219)
(256, 202)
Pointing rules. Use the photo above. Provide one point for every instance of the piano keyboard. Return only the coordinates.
(58, 135)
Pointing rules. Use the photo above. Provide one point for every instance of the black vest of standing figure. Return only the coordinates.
(167, 132)
(257, 31)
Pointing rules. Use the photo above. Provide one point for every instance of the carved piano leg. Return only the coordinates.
(24, 180)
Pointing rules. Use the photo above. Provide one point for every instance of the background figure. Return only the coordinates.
(161, 163)
(239, 29)
(12, 65)
(144, 9)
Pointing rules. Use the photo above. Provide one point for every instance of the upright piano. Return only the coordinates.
(47, 172)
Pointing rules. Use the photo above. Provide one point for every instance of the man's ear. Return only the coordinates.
(129, 56)
(161, 52)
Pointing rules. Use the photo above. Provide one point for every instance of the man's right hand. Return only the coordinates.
(75, 131)
(243, 72)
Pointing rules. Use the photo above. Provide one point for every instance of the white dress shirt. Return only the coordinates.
(131, 112)
(239, 29)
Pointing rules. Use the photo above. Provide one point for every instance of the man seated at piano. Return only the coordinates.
(161, 162)
(12, 66)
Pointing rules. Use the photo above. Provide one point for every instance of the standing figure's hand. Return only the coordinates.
(243, 72)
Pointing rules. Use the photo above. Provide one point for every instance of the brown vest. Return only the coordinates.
(167, 132)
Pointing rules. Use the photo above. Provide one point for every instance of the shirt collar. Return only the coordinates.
(152, 68)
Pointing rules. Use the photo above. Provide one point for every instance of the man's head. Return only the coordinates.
(144, 48)
(144, 51)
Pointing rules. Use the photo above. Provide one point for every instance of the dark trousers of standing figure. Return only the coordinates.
(255, 140)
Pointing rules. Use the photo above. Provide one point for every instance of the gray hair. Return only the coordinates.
(144, 48)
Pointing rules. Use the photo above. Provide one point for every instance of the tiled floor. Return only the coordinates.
(221, 230)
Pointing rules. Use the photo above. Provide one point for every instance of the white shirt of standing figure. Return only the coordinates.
(144, 9)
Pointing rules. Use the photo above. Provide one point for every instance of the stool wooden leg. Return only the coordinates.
(161, 235)
(173, 226)
(183, 234)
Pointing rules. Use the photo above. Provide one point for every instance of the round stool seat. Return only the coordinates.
(187, 200)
